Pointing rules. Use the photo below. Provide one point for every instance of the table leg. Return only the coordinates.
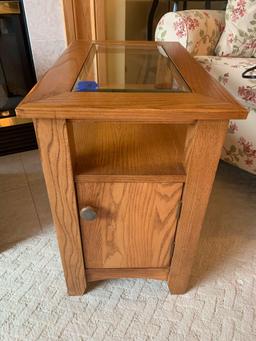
(54, 147)
(203, 148)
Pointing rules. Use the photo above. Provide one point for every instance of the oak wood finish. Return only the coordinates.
(102, 274)
(59, 78)
(79, 19)
(132, 155)
(135, 224)
(84, 14)
(205, 140)
(207, 101)
(100, 19)
(199, 81)
(69, 20)
(130, 150)
(55, 155)
(84, 19)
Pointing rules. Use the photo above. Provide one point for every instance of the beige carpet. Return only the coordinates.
(221, 305)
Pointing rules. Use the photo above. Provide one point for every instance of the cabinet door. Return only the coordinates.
(135, 224)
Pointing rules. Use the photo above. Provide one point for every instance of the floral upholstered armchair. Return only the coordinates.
(225, 45)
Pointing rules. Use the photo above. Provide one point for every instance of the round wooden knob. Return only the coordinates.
(88, 213)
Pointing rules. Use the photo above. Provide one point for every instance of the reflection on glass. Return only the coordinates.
(129, 69)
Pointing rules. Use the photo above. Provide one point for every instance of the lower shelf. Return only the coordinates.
(128, 152)
(103, 274)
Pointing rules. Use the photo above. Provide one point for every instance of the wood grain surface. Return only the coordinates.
(55, 155)
(61, 76)
(84, 19)
(132, 107)
(198, 79)
(117, 149)
(52, 97)
(205, 142)
(79, 20)
(102, 274)
(70, 25)
(136, 151)
(135, 224)
(84, 14)
(100, 19)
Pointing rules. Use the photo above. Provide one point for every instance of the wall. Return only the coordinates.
(137, 12)
(127, 19)
(115, 23)
(46, 28)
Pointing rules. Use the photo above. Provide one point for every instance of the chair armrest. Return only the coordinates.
(197, 30)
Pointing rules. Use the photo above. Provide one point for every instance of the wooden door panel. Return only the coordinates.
(135, 224)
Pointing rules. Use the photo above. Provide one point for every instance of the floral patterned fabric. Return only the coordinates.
(197, 30)
(240, 145)
(239, 36)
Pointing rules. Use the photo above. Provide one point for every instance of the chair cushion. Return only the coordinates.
(239, 36)
(197, 30)
(240, 145)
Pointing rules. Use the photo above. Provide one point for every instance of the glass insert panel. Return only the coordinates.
(129, 68)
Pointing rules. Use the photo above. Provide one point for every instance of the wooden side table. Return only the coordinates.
(130, 162)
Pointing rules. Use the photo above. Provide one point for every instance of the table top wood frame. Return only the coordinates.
(52, 96)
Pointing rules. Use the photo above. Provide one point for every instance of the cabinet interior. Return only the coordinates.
(122, 151)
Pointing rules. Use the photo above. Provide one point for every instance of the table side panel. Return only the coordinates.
(57, 166)
(203, 148)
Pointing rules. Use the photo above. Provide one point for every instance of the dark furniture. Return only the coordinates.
(17, 77)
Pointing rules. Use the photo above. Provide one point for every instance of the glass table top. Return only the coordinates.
(129, 68)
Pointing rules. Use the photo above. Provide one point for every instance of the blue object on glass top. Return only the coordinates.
(86, 86)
